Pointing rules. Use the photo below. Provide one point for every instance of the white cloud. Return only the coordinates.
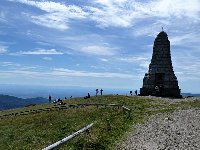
(47, 58)
(99, 50)
(110, 13)
(8, 64)
(41, 52)
(53, 20)
(184, 39)
(73, 11)
(3, 49)
(56, 15)
(2, 17)
(44, 43)
(74, 73)
(13, 66)
(187, 65)
(150, 29)
(96, 45)
(133, 59)
(37, 72)
(104, 60)
(175, 8)
(125, 13)
(140, 61)
(117, 13)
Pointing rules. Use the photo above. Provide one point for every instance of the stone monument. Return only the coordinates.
(160, 79)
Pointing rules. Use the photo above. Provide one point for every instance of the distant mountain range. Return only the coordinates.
(190, 94)
(9, 102)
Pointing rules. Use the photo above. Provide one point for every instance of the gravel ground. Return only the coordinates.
(173, 100)
(177, 131)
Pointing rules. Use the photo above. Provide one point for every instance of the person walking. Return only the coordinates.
(131, 93)
(97, 91)
(49, 98)
(101, 91)
(136, 92)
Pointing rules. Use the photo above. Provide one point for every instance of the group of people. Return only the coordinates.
(60, 102)
(57, 101)
(97, 91)
(131, 92)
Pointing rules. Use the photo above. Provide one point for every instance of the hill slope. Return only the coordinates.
(35, 127)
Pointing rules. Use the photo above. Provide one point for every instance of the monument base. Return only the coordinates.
(175, 93)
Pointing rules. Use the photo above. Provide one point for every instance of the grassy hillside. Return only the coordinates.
(35, 127)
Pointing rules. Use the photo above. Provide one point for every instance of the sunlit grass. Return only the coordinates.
(36, 131)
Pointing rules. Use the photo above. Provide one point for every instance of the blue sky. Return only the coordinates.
(96, 43)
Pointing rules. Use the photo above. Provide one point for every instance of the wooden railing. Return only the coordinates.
(125, 109)
(56, 108)
(85, 129)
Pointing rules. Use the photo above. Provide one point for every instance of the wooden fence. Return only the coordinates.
(57, 108)
(125, 109)
(85, 129)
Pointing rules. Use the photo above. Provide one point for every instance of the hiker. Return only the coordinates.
(55, 101)
(101, 91)
(157, 90)
(97, 91)
(88, 96)
(135, 92)
(131, 93)
(49, 98)
(60, 102)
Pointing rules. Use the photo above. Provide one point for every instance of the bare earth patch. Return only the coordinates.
(177, 131)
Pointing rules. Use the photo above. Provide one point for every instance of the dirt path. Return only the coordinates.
(177, 131)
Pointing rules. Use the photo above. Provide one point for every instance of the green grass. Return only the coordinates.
(36, 131)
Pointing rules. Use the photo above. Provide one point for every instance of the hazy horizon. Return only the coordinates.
(31, 91)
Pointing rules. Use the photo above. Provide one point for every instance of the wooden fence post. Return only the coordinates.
(128, 110)
(108, 124)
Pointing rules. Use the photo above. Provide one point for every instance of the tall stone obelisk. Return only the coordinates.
(160, 79)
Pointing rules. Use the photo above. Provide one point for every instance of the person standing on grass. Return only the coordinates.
(131, 93)
(136, 92)
(101, 91)
(97, 91)
(88, 95)
(49, 98)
